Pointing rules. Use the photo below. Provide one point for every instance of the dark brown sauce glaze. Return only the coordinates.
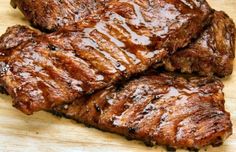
(163, 109)
(50, 15)
(213, 52)
(123, 39)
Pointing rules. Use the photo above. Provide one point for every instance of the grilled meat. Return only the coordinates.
(163, 109)
(122, 40)
(212, 53)
(16, 35)
(49, 15)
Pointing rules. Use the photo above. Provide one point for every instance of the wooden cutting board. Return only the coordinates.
(43, 132)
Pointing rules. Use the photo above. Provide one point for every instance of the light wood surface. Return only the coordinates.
(43, 132)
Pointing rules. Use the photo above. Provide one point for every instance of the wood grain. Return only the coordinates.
(43, 132)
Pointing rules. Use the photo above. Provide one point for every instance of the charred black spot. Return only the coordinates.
(56, 113)
(148, 143)
(193, 149)
(33, 41)
(88, 125)
(52, 47)
(217, 142)
(128, 138)
(132, 130)
(164, 116)
(112, 119)
(119, 87)
(126, 106)
(3, 90)
(158, 96)
(144, 112)
(118, 64)
(170, 149)
(179, 97)
(97, 107)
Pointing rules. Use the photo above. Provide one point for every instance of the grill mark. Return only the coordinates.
(207, 119)
(162, 114)
(129, 115)
(102, 28)
(98, 37)
(120, 103)
(93, 115)
(113, 48)
(115, 31)
(69, 10)
(131, 48)
(56, 73)
(66, 84)
(76, 70)
(48, 87)
(86, 73)
(83, 39)
(93, 55)
(89, 49)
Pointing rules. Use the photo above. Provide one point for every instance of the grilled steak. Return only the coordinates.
(49, 15)
(164, 109)
(122, 40)
(212, 53)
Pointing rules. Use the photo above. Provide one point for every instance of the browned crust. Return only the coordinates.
(162, 109)
(120, 41)
(49, 15)
(212, 53)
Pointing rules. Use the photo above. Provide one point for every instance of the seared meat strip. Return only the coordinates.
(122, 40)
(212, 53)
(49, 15)
(162, 109)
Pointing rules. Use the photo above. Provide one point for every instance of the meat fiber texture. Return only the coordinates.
(164, 109)
(50, 15)
(121, 40)
(212, 53)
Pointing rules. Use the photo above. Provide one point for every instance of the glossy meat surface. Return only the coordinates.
(49, 15)
(162, 109)
(212, 53)
(124, 39)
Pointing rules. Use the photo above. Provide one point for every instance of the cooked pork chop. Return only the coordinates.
(162, 109)
(123, 39)
(49, 15)
(212, 53)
